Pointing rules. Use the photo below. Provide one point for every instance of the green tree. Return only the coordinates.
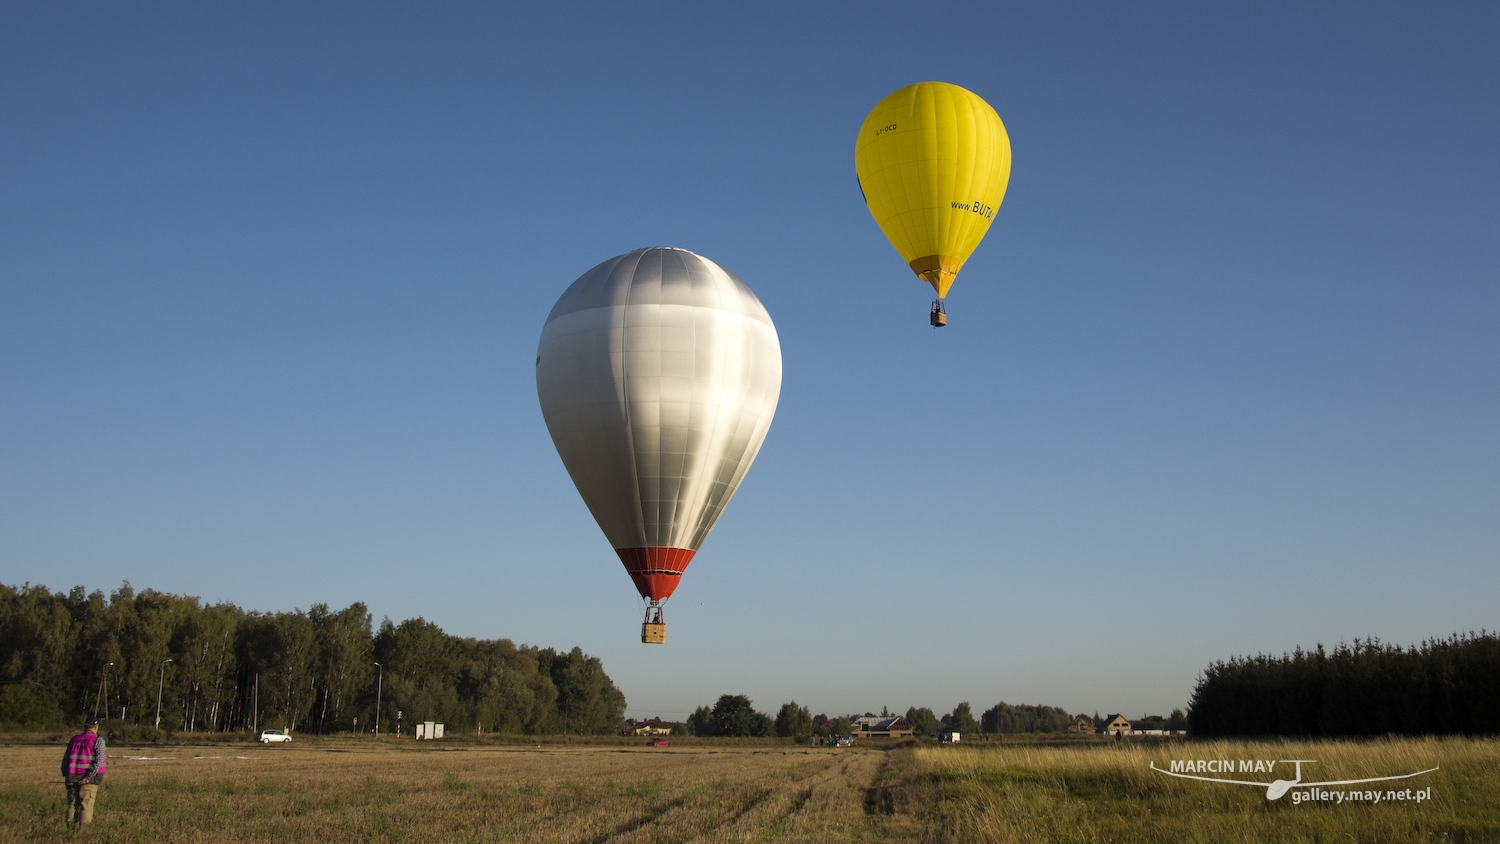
(505, 682)
(1024, 718)
(587, 701)
(281, 653)
(207, 666)
(923, 721)
(145, 645)
(65, 655)
(38, 642)
(26, 707)
(99, 657)
(961, 720)
(733, 715)
(420, 674)
(1177, 720)
(794, 721)
(346, 646)
(1149, 722)
(700, 723)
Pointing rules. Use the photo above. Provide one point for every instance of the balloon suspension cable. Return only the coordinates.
(939, 315)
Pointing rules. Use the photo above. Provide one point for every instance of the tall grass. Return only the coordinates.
(1101, 792)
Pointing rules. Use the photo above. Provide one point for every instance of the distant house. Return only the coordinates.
(890, 727)
(648, 727)
(1083, 725)
(1117, 724)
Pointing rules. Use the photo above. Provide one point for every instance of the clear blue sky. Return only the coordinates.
(1222, 378)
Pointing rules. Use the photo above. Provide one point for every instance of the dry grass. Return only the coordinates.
(347, 791)
(1101, 792)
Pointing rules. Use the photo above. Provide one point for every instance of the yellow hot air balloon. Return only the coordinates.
(933, 161)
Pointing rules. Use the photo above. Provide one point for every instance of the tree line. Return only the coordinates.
(735, 715)
(218, 668)
(1369, 688)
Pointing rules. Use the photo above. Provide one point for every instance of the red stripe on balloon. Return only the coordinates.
(656, 570)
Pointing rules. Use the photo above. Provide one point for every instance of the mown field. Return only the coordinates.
(351, 790)
(354, 791)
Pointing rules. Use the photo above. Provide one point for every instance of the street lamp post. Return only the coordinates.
(379, 680)
(160, 677)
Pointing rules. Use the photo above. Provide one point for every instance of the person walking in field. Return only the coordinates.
(83, 769)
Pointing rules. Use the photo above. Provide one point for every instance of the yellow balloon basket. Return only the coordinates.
(654, 629)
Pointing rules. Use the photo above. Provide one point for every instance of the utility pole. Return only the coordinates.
(255, 706)
(103, 691)
(379, 681)
(160, 677)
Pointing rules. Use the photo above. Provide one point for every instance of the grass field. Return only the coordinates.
(1094, 793)
(350, 790)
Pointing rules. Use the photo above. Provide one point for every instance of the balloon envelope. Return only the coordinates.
(658, 373)
(933, 162)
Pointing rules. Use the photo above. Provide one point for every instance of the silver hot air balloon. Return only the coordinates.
(658, 374)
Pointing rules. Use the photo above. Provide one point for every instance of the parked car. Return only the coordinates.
(657, 742)
(268, 736)
(843, 741)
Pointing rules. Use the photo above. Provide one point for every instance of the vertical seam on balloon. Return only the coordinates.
(746, 457)
(908, 228)
(904, 218)
(661, 257)
(635, 470)
(713, 457)
(723, 284)
(939, 218)
(671, 522)
(977, 186)
(979, 172)
(947, 141)
(957, 245)
(946, 144)
(927, 207)
(896, 222)
(721, 493)
(602, 271)
(887, 168)
(985, 120)
(917, 210)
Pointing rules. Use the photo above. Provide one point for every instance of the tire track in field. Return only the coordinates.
(645, 820)
(759, 811)
(824, 805)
